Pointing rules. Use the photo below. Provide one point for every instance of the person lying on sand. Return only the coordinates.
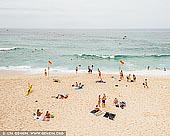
(60, 96)
(100, 81)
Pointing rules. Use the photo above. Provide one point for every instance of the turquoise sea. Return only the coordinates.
(28, 50)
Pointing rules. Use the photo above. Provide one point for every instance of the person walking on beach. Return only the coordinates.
(100, 74)
(99, 100)
(76, 70)
(45, 72)
(103, 101)
(121, 75)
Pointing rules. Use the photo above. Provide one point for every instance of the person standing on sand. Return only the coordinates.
(45, 72)
(103, 101)
(121, 75)
(99, 100)
(76, 70)
(100, 74)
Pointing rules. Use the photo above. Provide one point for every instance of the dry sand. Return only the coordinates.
(147, 112)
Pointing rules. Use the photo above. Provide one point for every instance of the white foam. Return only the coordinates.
(7, 49)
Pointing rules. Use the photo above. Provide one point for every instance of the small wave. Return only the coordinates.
(9, 49)
(140, 56)
(117, 57)
(94, 56)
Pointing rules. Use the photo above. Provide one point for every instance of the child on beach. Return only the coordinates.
(103, 101)
(145, 84)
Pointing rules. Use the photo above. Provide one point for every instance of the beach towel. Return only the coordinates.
(39, 117)
(93, 111)
(106, 115)
(99, 113)
(78, 87)
(122, 104)
(112, 116)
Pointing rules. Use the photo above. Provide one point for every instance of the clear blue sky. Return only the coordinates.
(85, 13)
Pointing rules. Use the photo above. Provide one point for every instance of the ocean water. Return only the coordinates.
(28, 50)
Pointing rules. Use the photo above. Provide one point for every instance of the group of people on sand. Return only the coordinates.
(46, 117)
(128, 78)
(90, 69)
(133, 79)
(122, 104)
(103, 100)
(78, 85)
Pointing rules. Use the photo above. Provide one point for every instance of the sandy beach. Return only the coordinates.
(146, 112)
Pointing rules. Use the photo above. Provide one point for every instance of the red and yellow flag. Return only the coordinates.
(49, 62)
(121, 62)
